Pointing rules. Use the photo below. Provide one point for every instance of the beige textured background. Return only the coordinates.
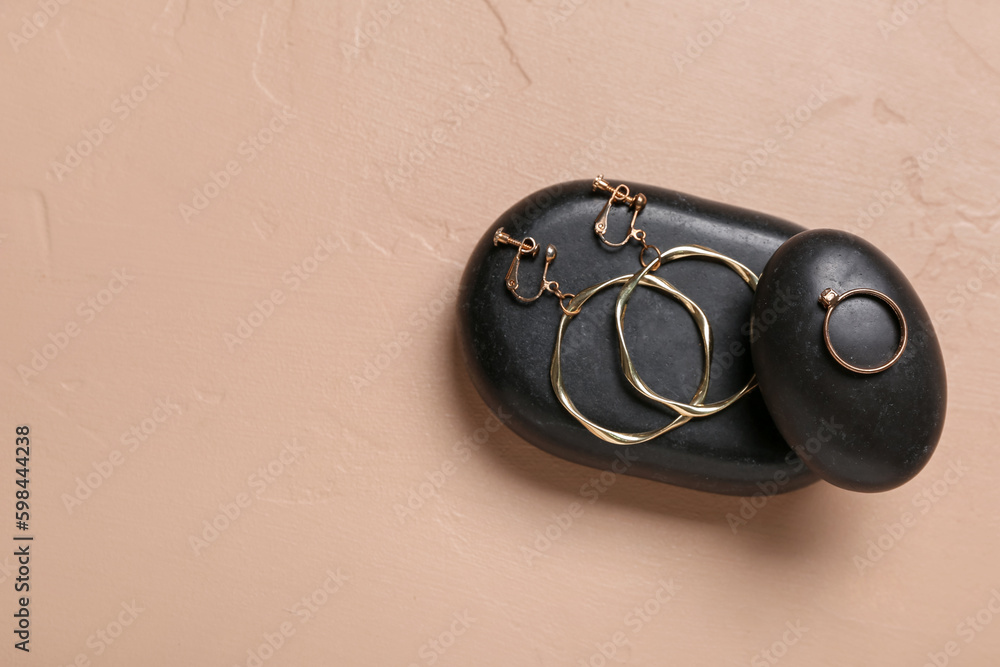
(344, 181)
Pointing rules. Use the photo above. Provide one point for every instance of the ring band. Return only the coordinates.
(829, 299)
(697, 409)
(555, 371)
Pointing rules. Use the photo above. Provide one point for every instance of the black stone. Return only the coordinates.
(508, 346)
(885, 425)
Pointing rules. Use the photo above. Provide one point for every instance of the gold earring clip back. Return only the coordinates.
(621, 194)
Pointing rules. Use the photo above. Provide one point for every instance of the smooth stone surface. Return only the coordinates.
(508, 346)
(885, 425)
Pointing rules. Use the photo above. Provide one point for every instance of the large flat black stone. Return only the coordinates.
(508, 346)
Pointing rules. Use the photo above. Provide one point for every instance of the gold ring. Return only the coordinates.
(829, 299)
(697, 408)
(555, 371)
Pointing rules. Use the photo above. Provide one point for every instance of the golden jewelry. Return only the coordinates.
(697, 409)
(618, 194)
(636, 202)
(529, 248)
(555, 370)
(572, 304)
(829, 299)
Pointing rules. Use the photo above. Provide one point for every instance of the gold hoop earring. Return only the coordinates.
(572, 304)
(694, 409)
(555, 370)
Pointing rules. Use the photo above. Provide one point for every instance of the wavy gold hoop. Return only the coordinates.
(555, 371)
(695, 408)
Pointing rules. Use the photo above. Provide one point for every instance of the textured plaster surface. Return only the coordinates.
(264, 236)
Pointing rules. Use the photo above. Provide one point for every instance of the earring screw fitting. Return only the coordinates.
(528, 246)
(621, 193)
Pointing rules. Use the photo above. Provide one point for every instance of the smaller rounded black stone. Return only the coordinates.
(864, 432)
